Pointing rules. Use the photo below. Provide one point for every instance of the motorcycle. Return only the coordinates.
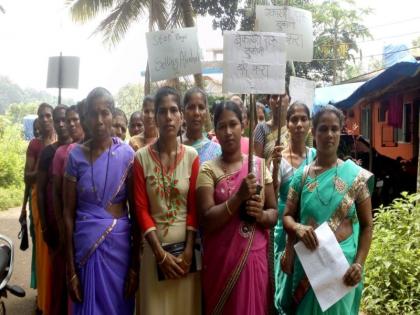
(6, 270)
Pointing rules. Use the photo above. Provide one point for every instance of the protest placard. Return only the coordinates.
(302, 90)
(295, 23)
(173, 53)
(254, 63)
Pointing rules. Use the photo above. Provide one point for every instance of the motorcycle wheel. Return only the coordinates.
(2, 308)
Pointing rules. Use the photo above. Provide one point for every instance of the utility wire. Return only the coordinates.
(375, 55)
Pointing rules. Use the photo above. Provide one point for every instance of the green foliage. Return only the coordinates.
(129, 98)
(12, 162)
(392, 269)
(16, 112)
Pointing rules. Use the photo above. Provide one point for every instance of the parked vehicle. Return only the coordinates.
(6, 270)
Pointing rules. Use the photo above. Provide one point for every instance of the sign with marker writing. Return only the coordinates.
(173, 53)
(254, 63)
(295, 23)
(302, 90)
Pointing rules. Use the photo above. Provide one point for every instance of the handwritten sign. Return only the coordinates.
(173, 53)
(302, 90)
(295, 23)
(254, 62)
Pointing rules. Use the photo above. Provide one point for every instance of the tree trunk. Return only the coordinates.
(147, 80)
(188, 16)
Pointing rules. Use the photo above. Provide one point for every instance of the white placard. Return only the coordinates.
(254, 62)
(295, 23)
(69, 72)
(325, 267)
(302, 90)
(173, 53)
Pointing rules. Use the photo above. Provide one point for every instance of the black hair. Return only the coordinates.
(164, 92)
(42, 106)
(328, 109)
(136, 113)
(294, 106)
(191, 92)
(100, 92)
(226, 105)
(148, 99)
(59, 108)
(120, 112)
(72, 108)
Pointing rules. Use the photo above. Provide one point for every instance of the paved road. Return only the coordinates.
(10, 227)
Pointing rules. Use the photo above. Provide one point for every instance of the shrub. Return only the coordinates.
(392, 283)
(12, 162)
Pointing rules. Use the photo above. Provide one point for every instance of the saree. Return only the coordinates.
(283, 282)
(235, 276)
(207, 149)
(348, 184)
(165, 203)
(34, 150)
(101, 241)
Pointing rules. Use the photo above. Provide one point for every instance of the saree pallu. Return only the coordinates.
(43, 261)
(347, 184)
(102, 254)
(235, 263)
(283, 282)
(207, 149)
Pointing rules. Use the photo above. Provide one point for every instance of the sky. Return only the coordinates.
(33, 30)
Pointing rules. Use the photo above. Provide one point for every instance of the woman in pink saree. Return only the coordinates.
(235, 221)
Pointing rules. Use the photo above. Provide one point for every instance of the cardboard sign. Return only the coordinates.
(173, 53)
(254, 62)
(295, 23)
(63, 72)
(302, 90)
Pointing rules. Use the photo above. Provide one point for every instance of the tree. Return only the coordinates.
(129, 98)
(123, 13)
(17, 111)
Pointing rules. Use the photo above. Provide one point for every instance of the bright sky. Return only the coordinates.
(31, 31)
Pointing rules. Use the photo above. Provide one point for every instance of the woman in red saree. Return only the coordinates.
(235, 221)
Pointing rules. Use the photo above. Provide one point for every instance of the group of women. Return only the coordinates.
(179, 218)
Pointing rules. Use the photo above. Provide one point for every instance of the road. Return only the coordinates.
(9, 226)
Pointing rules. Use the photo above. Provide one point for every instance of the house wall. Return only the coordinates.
(381, 130)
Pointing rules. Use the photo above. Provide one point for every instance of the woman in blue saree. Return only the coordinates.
(333, 191)
(102, 269)
(195, 115)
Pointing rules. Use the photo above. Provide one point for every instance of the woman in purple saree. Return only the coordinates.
(102, 270)
(235, 264)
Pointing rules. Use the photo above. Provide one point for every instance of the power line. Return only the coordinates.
(368, 41)
(390, 53)
(394, 22)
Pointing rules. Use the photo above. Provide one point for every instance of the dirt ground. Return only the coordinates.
(9, 226)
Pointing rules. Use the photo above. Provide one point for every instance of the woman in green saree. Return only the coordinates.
(333, 191)
(286, 161)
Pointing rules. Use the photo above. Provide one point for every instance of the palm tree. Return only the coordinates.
(123, 13)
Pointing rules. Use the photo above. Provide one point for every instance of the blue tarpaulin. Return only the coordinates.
(391, 76)
(28, 123)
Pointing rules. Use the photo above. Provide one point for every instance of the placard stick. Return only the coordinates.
(276, 166)
(251, 132)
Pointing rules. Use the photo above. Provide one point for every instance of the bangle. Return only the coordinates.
(73, 277)
(163, 259)
(360, 265)
(185, 262)
(227, 208)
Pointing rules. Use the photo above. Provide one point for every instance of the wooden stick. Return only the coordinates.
(251, 132)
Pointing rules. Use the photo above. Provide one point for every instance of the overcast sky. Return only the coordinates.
(33, 30)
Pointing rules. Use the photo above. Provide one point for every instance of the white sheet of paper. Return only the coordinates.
(173, 53)
(296, 23)
(325, 267)
(254, 62)
(302, 90)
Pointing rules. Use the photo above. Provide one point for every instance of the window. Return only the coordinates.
(365, 121)
(403, 134)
